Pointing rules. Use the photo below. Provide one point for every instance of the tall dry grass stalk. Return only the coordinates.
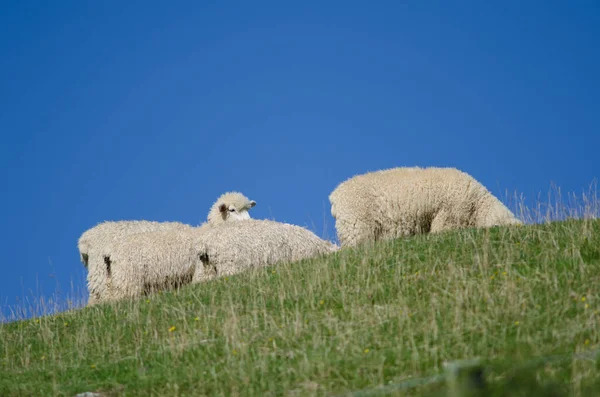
(555, 206)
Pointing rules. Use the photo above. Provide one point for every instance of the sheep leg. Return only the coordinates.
(96, 279)
(131, 291)
(351, 234)
(124, 284)
(204, 270)
(440, 222)
(93, 299)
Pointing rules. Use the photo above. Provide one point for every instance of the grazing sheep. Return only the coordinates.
(399, 202)
(96, 243)
(233, 247)
(94, 249)
(151, 261)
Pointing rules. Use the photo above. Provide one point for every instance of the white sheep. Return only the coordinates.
(157, 260)
(151, 261)
(95, 248)
(96, 244)
(397, 202)
(234, 247)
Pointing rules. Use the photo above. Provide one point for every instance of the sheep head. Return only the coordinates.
(231, 206)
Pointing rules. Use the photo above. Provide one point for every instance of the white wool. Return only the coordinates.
(399, 202)
(235, 247)
(152, 261)
(96, 244)
(94, 249)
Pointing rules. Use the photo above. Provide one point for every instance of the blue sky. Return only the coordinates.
(138, 110)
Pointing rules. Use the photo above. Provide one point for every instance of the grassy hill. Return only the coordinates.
(354, 321)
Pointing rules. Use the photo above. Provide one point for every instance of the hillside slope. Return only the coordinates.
(353, 320)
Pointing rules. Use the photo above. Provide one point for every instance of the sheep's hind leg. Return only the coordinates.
(357, 232)
(204, 270)
(440, 222)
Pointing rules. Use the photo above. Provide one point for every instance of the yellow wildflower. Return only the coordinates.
(173, 328)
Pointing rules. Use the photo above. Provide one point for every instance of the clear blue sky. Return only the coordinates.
(137, 110)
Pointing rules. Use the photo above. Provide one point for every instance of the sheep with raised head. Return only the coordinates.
(95, 244)
(403, 201)
(232, 248)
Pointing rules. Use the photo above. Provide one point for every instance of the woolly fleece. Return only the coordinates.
(94, 246)
(397, 202)
(153, 261)
(233, 247)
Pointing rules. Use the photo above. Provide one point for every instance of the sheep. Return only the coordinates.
(94, 249)
(403, 201)
(233, 247)
(157, 260)
(96, 243)
(152, 261)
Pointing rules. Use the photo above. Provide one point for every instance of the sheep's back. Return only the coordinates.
(108, 231)
(253, 243)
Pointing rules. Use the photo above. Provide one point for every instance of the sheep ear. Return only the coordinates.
(222, 208)
(252, 203)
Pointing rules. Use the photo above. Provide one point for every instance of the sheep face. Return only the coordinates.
(232, 206)
(231, 213)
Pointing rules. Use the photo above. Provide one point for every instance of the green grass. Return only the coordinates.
(357, 319)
